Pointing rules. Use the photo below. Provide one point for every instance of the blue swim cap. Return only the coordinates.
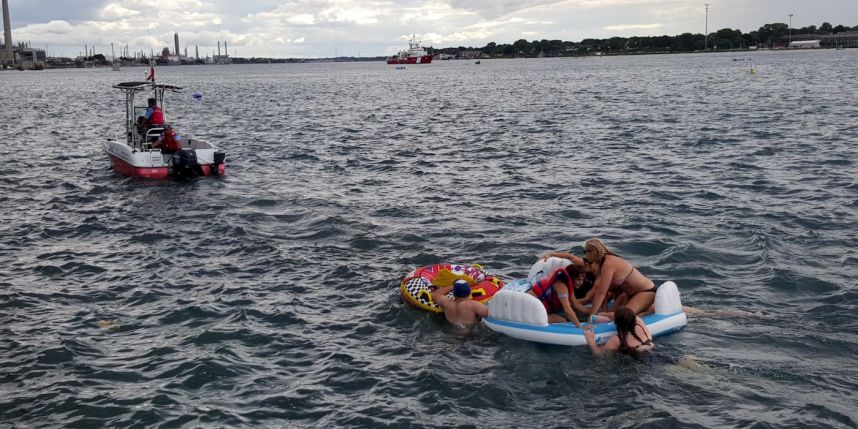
(461, 289)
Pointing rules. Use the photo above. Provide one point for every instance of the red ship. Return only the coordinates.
(415, 54)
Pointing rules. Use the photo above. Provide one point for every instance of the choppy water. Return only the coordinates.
(269, 298)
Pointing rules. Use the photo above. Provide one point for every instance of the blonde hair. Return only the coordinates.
(598, 247)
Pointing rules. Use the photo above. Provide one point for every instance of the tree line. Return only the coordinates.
(769, 35)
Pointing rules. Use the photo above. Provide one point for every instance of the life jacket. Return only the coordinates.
(169, 142)
(544, 289)
(157, 117)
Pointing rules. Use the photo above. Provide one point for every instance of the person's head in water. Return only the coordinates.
(626, 321)
(461, 289)
(151, 102)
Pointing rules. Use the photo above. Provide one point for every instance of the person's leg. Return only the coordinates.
(556, 318)
(641, 302)
(619, 301)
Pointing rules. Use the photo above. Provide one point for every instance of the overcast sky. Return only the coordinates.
(323, 28)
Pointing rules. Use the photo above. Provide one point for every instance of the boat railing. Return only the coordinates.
(153, 133)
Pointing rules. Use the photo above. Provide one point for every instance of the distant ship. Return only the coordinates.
(415, 54)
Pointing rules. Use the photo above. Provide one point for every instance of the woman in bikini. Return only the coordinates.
(614, 275)
(632, 335)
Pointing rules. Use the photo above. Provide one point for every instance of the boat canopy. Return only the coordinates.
(132, 112)
(141, 86)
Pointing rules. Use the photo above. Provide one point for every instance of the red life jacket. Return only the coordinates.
(169, 142)
(157, 117)
(544, 290)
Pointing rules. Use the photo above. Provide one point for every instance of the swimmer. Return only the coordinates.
(462, 309)
(632, 335)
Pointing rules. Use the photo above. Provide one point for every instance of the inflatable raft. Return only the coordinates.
(415, 286)
(521, 315)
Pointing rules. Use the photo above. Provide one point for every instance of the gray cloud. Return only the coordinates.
(498, 8)
(25, 12)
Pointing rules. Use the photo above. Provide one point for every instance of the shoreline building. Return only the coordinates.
(221, 59)
(844, 39)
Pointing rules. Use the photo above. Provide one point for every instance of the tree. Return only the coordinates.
(771, 33)
(522, 46)
(825, 28)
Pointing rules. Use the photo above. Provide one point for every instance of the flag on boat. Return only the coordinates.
(151, 74)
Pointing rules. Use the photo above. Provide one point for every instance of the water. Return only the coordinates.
(269, 298)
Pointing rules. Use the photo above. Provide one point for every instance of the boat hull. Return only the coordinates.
(152, 164)
(122, 167)
(425, 59)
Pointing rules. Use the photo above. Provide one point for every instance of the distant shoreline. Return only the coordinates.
(31, 66)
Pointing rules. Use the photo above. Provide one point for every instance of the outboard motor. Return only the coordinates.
(218, 160)
(185, 163)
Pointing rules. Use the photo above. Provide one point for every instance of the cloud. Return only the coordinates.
(499, 8)
(301, 19)
(632, 27)
(116, 11)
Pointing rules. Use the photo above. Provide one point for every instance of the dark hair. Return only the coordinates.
(574, 271)
(152, 101)
(626, 321)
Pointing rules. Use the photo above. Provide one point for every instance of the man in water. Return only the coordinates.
(461, 310)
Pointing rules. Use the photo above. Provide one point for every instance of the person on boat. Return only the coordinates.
(169, 142)
(614, 276)
(460, 310)
(632, 337)
(153, 117)
(556, 291)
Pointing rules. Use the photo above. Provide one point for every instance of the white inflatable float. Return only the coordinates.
(521, 315)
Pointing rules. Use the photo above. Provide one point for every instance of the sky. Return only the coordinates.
(327, 28)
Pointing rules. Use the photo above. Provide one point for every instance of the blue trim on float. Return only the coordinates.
(569, 328)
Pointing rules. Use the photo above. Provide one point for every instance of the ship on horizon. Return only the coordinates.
(415, 54)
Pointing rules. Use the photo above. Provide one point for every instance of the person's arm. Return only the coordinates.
(580, 304)
(565, 295)
(611, 345)
(566, 255)
(606, 273)
(439, 295)
(480, 309)
(645, 327)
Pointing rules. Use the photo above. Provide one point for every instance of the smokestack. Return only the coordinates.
(176, 39)
(7, 31)
(198, 52)
(225, 50)
(218, 48)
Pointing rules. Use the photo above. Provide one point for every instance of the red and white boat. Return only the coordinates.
(415, 54)
(138, 152)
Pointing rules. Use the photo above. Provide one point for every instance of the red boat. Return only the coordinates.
(415, 54)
